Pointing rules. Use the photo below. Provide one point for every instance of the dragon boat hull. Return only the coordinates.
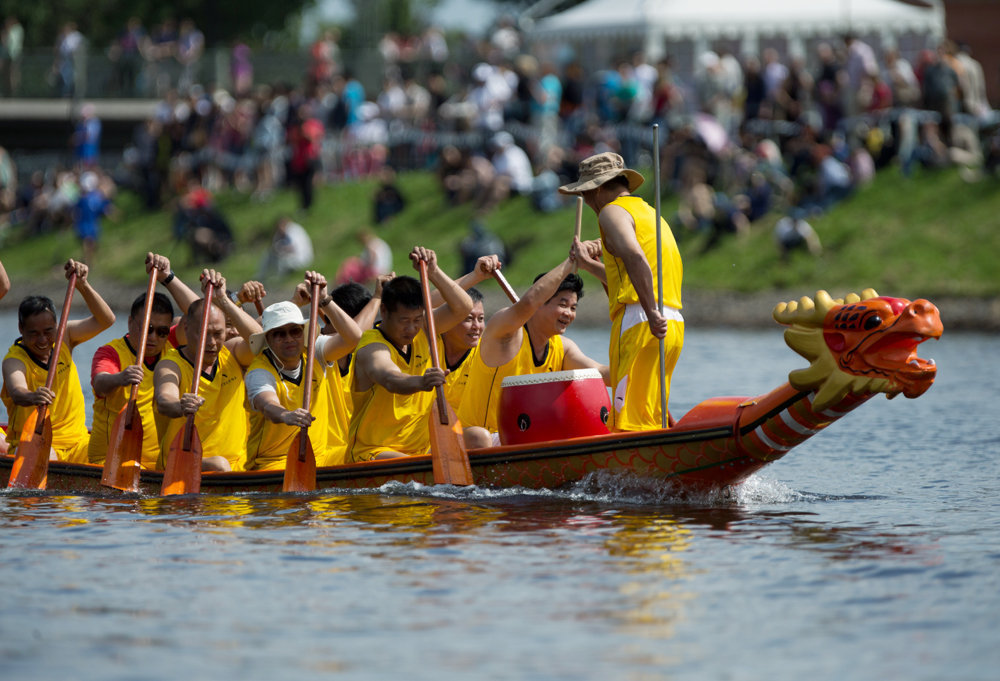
(859, 347)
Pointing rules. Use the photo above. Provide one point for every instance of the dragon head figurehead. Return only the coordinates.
(862, 344)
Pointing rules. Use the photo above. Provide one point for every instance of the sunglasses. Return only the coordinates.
(290, 332)
(161, 331)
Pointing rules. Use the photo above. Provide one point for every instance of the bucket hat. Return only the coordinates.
(597, 169)
(276, 316)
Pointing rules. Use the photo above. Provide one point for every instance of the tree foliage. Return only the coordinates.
(100, 21)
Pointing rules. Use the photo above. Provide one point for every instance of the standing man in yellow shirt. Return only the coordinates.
(275, 383)
(628, 238)
(218, 407)
(393, 378)
(26, 367)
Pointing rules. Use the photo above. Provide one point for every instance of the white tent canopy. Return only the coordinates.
(651, 23)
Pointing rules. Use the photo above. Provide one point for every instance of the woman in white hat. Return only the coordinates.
(275, 382)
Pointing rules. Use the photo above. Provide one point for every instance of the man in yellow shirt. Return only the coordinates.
(218, 406)
(525, 338)
(628, 239)
(393, 379)
(275, 381)
(26, 367)
(113, 371)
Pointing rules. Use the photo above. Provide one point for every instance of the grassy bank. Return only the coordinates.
(930, 235)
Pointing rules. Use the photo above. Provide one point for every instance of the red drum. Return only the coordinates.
(553, 406)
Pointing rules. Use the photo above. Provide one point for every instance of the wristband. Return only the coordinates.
(325, 300)
(170, 278)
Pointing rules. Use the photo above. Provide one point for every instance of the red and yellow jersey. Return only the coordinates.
(66, 413)
(482, 393)
(107, 408)
(384, 420)
(222, 419)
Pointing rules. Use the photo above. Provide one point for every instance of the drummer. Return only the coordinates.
(218, 406)
(26, 368)
(275, 380)
(393, 382)
(525, 338)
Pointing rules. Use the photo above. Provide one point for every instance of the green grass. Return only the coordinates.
(929, 235)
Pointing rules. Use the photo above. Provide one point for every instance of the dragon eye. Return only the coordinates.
(872, 322)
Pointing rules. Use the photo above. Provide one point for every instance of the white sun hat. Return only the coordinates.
(276, 316)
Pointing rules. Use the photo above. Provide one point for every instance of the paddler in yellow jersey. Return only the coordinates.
(113, 371)
(458, 346)
(26, 368)
(218, 407)
(525, 338)
(393, 382)
(275, 381)
(361, 305)
(628, 239)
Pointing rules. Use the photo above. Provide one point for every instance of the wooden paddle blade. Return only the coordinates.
(300, 466)
(31, 463)
(124, 459)
(448, 455)
(182, 474)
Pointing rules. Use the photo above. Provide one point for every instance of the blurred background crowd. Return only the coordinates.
(741, 135)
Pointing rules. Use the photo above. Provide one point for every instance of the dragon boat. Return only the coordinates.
(858, 347)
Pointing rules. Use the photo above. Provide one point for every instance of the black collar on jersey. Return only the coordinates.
(44, 365)
(405, 355)
(545, 352)
(210, 375)
(282, 374)
(146, 360)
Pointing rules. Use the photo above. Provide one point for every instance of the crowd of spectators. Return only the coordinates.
(741, 137)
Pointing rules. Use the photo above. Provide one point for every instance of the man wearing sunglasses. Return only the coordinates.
(113, 370)
(275, 380)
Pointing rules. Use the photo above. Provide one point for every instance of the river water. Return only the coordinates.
(871, 551)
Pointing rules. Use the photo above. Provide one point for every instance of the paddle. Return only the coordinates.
(448, 455)
(31, 464)
(579, 216)
(659, 271)
(182, 474)
(507, 288)
(300, 463)
(123, 462)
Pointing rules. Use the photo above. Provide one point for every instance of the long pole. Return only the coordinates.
(659, 271)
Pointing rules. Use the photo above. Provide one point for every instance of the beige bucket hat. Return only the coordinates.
(597, 169)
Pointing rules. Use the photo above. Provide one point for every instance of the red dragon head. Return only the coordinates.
(862, 344)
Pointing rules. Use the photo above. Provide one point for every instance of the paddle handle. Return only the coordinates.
(147, 314)
(659, 270)
(505, 285)
(432, 338)
(579, 216)
(206, 311)
(260, 307)
(50, 379)
(310, 360)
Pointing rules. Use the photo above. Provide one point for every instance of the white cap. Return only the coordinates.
(276, 316)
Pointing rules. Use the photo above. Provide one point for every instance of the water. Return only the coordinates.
(871, 551)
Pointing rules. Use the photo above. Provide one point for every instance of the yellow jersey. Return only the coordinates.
(106, 410)
(482, 392)
(621, 292)
(66, 413)
(268, 443)
(222, 419)
(383, 420)
(340, 413)
(458, 374)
